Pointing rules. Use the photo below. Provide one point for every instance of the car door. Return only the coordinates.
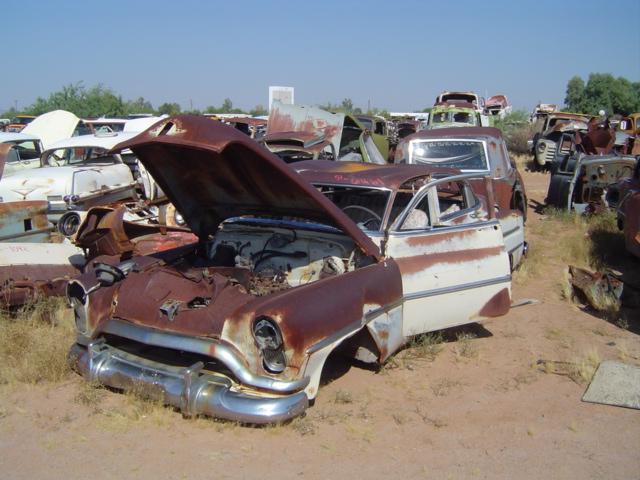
(451, 256)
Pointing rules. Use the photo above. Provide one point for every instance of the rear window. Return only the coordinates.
(466, 155)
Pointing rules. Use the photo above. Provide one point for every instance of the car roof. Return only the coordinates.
(16, 136)
(365, 174)
(100, 140)
(457, 132)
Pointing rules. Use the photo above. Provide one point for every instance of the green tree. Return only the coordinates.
(258, 111)
(169, 109)
(227, 106)
(574, 99)
(93, 102)
(603, 92)
(140, 105)
(346, 105)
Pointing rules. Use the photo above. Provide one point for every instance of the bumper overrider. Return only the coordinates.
(259, 400)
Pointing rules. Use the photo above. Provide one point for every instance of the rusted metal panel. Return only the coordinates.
(24, 222)
(213, 172)
(30, 270)
(310, 120)
(632, 224)
(105, 232)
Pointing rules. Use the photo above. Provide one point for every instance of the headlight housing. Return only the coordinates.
(541, 146)
(269, 340)
(78, 299)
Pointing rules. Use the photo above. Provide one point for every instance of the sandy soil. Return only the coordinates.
(480, 410)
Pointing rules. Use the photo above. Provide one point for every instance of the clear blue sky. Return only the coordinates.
(398, 55)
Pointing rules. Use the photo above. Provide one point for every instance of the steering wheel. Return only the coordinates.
(374, 215)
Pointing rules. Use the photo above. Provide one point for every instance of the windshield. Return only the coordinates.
(462, 154)
(366, 122)
(22, 120)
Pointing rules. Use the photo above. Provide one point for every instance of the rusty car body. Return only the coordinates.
(18, 123)
(460, 96)
(550, 129)
(628, 211)
(29, 271)
(587, 168)
(239, 325)
(455, 113)
(497, 106)
(300, 132)
(479, 150)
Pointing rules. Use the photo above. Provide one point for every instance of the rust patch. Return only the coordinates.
(498, 305)
(411, 265)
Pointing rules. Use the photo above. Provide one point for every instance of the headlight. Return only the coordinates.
(541, 146)
(269, 340)
(178, 219)
(78, 299)
(70, 222)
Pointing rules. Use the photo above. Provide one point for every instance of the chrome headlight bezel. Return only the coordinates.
(269, 340)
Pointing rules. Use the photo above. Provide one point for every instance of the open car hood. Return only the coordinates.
(212, 172)
(52, 127)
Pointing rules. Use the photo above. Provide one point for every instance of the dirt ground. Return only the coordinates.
(479, 408)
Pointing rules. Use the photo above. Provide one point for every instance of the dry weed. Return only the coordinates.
(464, 348)
(443, 386)
(343, 397)
(581, 370)
(34, 342)
(426, 346)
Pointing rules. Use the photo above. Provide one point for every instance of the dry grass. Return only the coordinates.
(343, 397)
(464, 348)
(35, 341)
(138, 407)
(442, 387)
(426, 346)
(580, 370)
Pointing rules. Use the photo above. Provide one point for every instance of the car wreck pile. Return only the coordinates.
(198, 254)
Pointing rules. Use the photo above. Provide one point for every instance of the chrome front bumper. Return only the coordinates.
(190, 390)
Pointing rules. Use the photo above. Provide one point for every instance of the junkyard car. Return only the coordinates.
(628, 211)
(455, 114)
(73, 173)
(300, 132)
(497, 106)
(26, 153)
(19, 122)
(586, 174)
(551, 128)
(239, 325)
(477, 150)
(455, 96)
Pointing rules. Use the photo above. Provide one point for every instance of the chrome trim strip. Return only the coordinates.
(513, 230)
(457, 288)
(446, 228)
(208, 347)
(28, 233)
